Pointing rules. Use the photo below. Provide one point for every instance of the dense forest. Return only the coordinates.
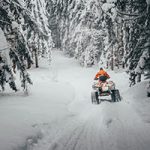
(112, 33)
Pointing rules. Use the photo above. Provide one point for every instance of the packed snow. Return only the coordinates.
(58, 113)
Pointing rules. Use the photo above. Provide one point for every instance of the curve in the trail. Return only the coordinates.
(108, 126)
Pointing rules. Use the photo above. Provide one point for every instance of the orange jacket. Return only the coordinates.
(101, 73)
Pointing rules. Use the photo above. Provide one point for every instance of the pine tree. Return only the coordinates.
(27, 32)
(135, 15)
(6, 75)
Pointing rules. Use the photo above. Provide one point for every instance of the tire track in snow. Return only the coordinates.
(73, 134)
(108, 126)
(127, 131)
(83, 136)
(105, 126)
(53, 140)
(74, 138)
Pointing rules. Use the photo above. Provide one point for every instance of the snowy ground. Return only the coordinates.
(58, 114)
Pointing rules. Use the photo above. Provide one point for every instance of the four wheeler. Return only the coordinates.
(104, 88)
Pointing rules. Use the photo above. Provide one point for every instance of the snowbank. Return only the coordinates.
(137, 96)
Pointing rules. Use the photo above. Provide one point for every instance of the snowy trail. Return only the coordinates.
(108, 126)
(58, 113)
(100, 130)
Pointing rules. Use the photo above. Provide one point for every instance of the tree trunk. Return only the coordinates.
(36, 59)
(112, 59)
(138, 77)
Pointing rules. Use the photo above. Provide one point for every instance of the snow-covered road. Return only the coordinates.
(108, 126)
(60, 112)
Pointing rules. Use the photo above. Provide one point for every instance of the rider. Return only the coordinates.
(101, 75)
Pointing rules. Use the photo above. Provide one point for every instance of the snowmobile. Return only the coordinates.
(104, 88)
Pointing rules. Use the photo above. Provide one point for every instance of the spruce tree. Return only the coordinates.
(27, 34)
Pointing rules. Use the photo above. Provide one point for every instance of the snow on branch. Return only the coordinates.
(4, 48)
(28, 13)
(105, 8)
(127, 14)
(142, 62)
(134, 18)
(4, 22)
(112, 43)
(148, 2)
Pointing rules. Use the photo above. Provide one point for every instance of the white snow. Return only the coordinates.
(14, 24)
(4, 48)
(58, 113)
(107, 6)
(22, 3)
(3, 43)
(148, 2)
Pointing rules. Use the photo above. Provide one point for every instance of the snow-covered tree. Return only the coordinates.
(25, 27)
(136, 33)
(77, 29)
